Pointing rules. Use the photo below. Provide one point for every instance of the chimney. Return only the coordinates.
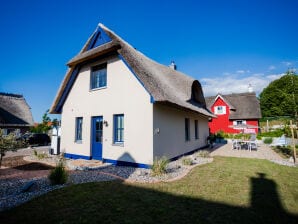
(250, 89)
(173, 65)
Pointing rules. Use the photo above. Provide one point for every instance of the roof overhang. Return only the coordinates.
(94, 53)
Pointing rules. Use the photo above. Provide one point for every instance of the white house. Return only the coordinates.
(119, 106)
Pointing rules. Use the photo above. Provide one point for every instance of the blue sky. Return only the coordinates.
(225, 44)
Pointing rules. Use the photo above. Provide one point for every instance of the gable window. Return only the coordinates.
(119, 128)
(187, 131)
(99, 76)
(239, 122)
(196, 130)
(220, 110)
(79, 126)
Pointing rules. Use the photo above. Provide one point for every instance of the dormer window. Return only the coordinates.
(219, 110)
(98, 77)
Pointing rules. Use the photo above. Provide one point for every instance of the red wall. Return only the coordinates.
(222, 122)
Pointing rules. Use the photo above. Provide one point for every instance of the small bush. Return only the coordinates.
(220, 134)
(159, 166)
(58, 175)
(186, 161)
(274, 134)
(40, 155)
(203, 153)
(286, 151)
(268, 140)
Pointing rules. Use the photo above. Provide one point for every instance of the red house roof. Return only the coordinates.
(241, 105)
(234, 109)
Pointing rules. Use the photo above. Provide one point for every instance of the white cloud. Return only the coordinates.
(240, 71)
(287, 63)
(271, 67)
(234, 84)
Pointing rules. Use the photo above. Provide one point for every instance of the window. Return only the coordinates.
(99, 76)
(196, 130)
(119, 128)
(239, 122)
(220, 110)
(79, 126)
(187, 131)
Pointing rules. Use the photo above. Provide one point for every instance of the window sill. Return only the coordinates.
(118, 144)
(79, 141)
(95, 89)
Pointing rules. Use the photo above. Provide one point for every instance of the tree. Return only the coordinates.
(45, 125)
(8, 143)
(280, 97)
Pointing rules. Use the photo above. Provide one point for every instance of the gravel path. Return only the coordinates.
(11, 194)
(264, 152)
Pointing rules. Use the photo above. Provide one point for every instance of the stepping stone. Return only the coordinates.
(27, 186)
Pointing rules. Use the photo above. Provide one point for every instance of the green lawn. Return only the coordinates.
(229, 190)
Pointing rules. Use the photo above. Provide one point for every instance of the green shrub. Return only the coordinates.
(203, 153)
(268, 140)
(40, 155)
(58, 175)
(242, 136)
(159, 166)
(220, 134)
(186, 161)
(286, 151)
(274, 134)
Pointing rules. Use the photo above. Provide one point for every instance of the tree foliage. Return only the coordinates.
(280, 97)
(45, 125)
(8, 143)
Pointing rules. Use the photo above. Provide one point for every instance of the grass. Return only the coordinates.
(229, 190)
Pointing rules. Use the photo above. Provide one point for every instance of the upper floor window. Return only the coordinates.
(220, 110)
(239, 122)
(79, 127)
(99, 76)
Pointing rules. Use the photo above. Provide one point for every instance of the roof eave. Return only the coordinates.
(177, 106)
(94, 53)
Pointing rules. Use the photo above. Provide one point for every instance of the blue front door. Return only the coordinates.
(96, 138)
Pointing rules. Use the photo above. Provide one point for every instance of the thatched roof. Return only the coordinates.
(164, 84)
(14, 111)
(242, 105)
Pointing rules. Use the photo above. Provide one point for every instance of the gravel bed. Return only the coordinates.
(284, 162)
(11, 195)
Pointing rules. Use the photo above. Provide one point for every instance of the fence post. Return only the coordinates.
(293, 141)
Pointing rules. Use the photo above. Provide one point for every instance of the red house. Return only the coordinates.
(235, 113)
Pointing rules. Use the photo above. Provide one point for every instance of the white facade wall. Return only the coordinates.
(124, 94)
(169, 131)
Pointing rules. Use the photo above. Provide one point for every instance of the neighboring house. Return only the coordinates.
(119, 106)
(241, 110)
(15, 114)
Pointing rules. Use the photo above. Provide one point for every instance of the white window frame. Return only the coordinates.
(220, 110)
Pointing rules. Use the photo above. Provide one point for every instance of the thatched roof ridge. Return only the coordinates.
(245, 105)
(14, 111)
(164, 84)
